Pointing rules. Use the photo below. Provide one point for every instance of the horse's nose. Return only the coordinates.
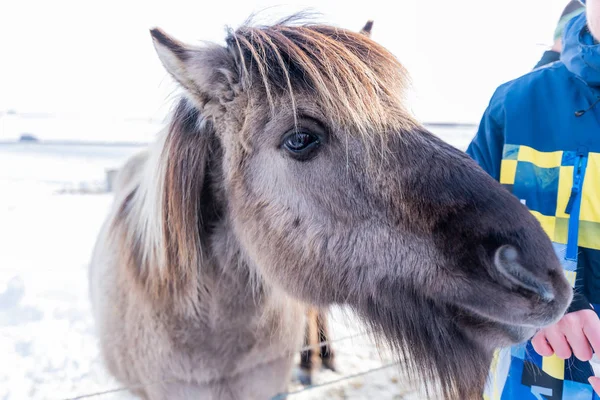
(506, 260)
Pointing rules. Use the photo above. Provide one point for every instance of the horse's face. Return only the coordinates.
(343, 199)
(324, 215)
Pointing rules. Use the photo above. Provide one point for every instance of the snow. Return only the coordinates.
(79, 128)
(52, 206)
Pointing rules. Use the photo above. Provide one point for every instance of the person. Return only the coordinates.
(572, 10)
(540, 137)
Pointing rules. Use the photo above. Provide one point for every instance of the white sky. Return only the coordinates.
(97, 59)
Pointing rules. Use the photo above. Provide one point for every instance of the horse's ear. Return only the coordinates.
(207, 73)
(366, 30)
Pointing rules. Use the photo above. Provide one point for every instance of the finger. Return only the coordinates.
(540, 344)
(591, 329)
(579, 343)
(559, 343)
(595, 382)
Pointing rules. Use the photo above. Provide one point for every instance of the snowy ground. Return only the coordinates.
(51, 209)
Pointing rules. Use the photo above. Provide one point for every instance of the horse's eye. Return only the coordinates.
(301, 143)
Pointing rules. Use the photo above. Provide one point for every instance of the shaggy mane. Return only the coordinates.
(357, 82)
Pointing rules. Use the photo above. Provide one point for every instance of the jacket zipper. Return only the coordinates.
(577, 183)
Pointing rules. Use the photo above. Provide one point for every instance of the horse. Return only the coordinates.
(291, 174)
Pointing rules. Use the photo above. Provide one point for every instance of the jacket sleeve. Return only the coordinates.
(486, 147)
(580, 302)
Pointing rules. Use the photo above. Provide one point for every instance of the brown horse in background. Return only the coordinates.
(292, 174)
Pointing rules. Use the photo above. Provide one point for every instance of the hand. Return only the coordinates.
(575, 331)
(595, 382)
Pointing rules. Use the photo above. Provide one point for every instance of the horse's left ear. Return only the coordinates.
(207, 73)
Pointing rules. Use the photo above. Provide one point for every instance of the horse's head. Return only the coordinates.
(335, 194)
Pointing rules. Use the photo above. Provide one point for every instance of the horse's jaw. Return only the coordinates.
(431, 346)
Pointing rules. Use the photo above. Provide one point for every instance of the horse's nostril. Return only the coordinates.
(507, 254)
(506, 260)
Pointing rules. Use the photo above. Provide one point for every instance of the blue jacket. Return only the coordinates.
(540, 137)
(538, 109)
